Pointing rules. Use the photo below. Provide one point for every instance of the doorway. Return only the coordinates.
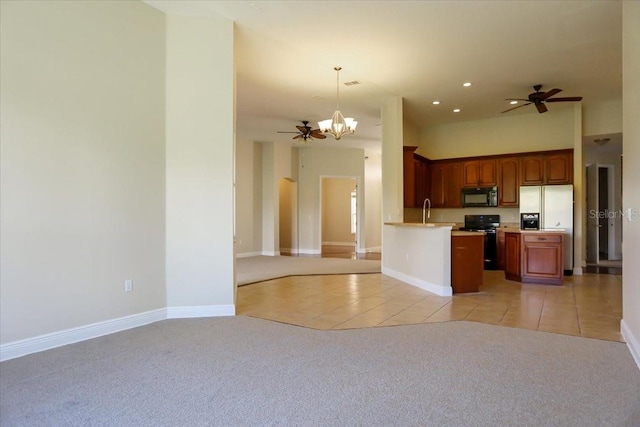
(339, 216)
(601, 215)
(288, 216)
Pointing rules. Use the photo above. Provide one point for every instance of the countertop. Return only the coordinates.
(552, 230)
(458, 233)
(421, 225)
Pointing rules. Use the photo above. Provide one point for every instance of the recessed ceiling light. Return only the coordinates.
(467, 84)
(513, 102)
(456, 110)
(436, 102)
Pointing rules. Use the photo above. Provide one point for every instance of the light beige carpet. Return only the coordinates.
(261, 268)
(244, 372)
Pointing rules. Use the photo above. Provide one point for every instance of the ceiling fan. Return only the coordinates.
(539, 98)
(305, 132)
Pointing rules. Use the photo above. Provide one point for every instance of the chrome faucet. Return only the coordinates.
(424, 204)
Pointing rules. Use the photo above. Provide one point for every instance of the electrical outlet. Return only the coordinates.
(128, 285)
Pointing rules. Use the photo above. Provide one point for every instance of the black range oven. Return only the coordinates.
(488, 224)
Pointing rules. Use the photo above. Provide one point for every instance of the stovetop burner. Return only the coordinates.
(481, 222)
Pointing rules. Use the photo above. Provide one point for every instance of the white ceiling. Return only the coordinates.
(419, 50)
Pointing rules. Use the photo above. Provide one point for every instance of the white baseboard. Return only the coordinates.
(632, 342)
(339, 244)
(310, 251)
(248, 254)
(69, 336)
(577, 271)
(374, 249)
(270, 253)
(201, 311)
(443, 291)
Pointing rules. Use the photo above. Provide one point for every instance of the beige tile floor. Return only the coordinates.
(588, 306)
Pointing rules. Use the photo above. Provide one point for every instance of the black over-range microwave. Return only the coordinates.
(479, 196)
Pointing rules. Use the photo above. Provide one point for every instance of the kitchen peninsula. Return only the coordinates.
(420, 254)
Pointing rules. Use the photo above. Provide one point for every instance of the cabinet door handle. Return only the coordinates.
(542, 238)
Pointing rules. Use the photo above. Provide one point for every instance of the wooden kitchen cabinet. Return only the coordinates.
(559, 168)
(446, 184)
(422, 179)
(438, 181)
(532, 170)
(408, 176)
(534, 257)
(547, 169)
(542, 258)
(453, 185)
(508, 182)
(500, 249)
(512, 261)
(480, 173)
(416, 177)
(467, 262)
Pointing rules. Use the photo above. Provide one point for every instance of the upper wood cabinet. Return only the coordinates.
(559, 168)
(480, 173)
(453, 185)
(548, 168)
(409, 184)
(532, 170)
(423, 180)
(438, 180)
(442, 180)
(416, 177)
(508, 182)
(446, 184)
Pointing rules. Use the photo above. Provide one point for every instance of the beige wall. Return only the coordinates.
(603, 118)
(336, 211)
(373, 201)
(631, 175)
(508, 134)
(392, 179)
(313, 165)
(248, 209)
(200, 115)
(83, 172)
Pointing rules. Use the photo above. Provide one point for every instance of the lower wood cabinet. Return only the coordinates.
(467, 262)
(534, 257)
(512, 260)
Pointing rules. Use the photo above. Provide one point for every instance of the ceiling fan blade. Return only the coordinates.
(298, 136)
(302, 128)
(516, 99)
(318, 135)
(551, 93)
(518, 106)
(566, 99)
(541, 107)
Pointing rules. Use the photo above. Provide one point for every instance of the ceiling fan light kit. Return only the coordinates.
(538, 99)
(305, 133)
(338, 125)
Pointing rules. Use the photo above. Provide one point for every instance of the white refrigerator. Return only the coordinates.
(554, 203)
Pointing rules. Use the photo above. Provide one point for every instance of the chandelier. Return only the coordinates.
(338, 125)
